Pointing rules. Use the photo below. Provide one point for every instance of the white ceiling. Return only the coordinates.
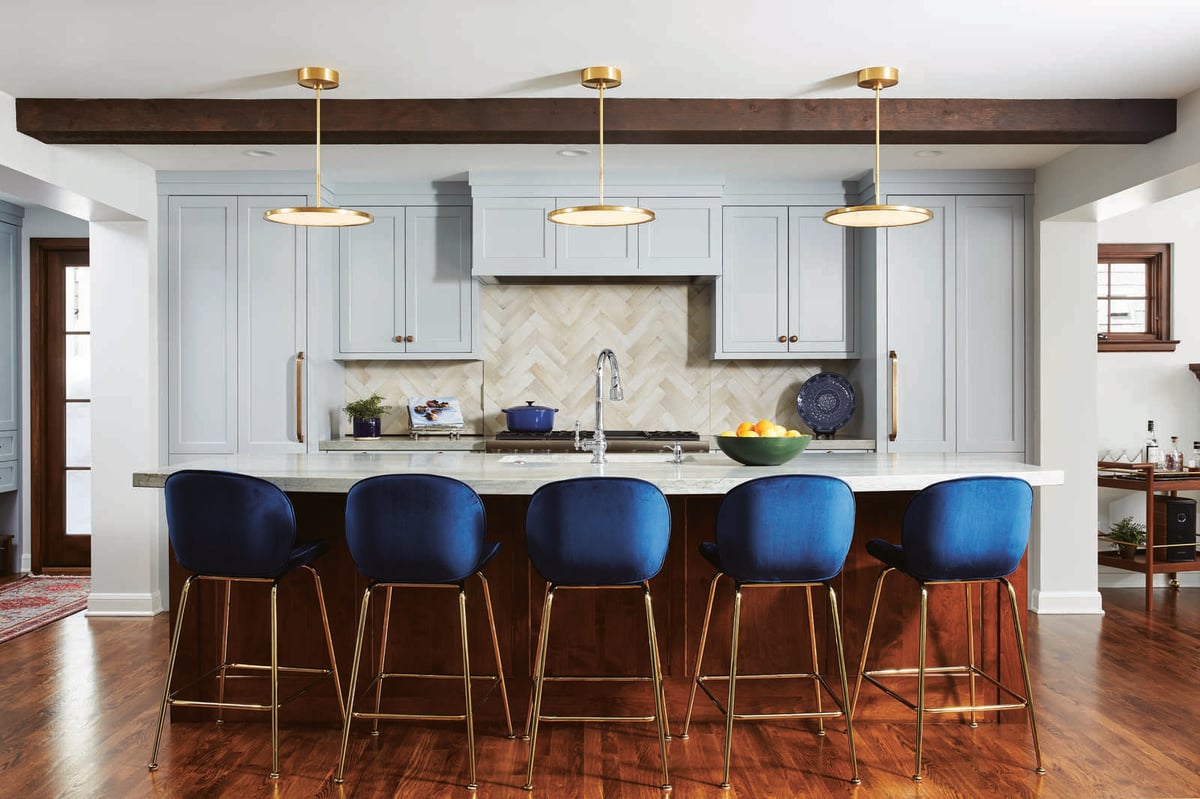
(534, 48)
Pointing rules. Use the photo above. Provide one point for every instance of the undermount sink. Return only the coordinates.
(529, 458)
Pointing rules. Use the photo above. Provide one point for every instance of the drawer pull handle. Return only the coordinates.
(895, 359)
(300, 398)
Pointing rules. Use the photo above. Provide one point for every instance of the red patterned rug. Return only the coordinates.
(35, 601)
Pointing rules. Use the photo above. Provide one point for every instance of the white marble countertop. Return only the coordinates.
(519, 474)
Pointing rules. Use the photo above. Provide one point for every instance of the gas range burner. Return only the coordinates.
(637, 435)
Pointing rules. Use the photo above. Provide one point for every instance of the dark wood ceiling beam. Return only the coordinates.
(627, 121)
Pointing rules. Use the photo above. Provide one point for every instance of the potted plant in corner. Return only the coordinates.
(1127, 534)
(365, 414)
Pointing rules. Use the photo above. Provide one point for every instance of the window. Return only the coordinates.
(1133, 298)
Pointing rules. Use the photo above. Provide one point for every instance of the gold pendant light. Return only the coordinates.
(601, 215)
(318, 78)
(878, 215)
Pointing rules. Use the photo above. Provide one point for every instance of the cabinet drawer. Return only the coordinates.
(8, 445)
(8, 475)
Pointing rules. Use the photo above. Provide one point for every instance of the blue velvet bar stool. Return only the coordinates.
(229, 528)
(597, 533)
(960, 532)
(785, 531)
(418, 531)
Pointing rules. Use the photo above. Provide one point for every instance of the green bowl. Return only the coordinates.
(762, 451)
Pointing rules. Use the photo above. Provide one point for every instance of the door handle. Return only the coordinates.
(895, 362)
(300, 397)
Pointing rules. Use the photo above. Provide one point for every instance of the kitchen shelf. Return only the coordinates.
(1143, 477)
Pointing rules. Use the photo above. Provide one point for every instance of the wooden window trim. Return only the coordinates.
(1158, 261)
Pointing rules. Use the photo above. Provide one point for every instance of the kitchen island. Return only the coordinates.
(605, 627)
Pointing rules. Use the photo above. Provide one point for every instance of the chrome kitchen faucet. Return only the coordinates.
(598, 444)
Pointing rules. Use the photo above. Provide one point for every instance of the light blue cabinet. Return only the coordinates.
(10, 360)
(788, 286)
(955, 326)
(405, 287)
(513, 239)
(236, 326)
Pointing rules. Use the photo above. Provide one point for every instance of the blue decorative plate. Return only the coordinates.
(826, 402)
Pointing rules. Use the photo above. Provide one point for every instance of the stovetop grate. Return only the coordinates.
(558, 435)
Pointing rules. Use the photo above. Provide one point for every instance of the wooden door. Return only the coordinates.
(439, 292)
(752, 294)
(60, 419)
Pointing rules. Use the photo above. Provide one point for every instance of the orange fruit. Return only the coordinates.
(744, 427)
(764, 426)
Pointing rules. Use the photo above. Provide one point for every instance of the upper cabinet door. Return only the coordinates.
(372, 284)
(202, 295)
(512, 236)
(10, 269)
(596, 250)
(752, 294)
(921, 328)
(683, 239)
(821, 286)
(272, 317)
(439, 290)
(990, 260)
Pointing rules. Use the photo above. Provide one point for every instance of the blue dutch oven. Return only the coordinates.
(530, 418)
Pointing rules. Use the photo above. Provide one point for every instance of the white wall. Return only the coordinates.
(1132, 387)
(1074, 192)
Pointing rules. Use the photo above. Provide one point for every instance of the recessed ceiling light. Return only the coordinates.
(574, 152)
(927, 153)
(258, 153)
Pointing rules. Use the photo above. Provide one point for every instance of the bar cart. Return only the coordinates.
(1143, 477)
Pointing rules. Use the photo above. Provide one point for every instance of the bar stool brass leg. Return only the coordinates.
(687, 721)
(162, 708)
(841, 657)
(537, 658)
(224, 652)
(972, 723)
(812, 637)
(337, 683)
(274, 680)
(921, 676)
(339, 775)
(1012, 603)
(462, 626)
(383, 639)
(487, 601)
(737, 621)
(660, 700)
(862, 663)
(539, 676)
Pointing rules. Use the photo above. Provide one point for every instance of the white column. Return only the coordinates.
(1062, 559)
(128, 547)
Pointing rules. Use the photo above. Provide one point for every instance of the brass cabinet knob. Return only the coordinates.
(794, 339)
(410, 339)
(782, 339)
(400, 339)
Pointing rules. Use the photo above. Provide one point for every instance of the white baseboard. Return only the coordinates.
(1066, 602)
(124, 604)
(26, 564)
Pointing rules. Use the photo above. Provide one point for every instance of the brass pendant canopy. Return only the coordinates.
(318, 78)
(878, 214)
(600, 215)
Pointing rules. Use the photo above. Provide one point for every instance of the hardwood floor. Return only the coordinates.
(1115, 700)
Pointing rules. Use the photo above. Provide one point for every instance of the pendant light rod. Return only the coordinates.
(318, 78)
(877, 180)
(600, 215)
(878, 215)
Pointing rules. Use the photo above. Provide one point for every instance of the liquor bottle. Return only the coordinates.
(1194, 463)
(1173, 458)
(1151, 452)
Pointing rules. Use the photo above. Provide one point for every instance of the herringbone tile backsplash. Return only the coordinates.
(540, 343)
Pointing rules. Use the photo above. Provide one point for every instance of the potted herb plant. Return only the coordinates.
(365, 414)
(1127, 534)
